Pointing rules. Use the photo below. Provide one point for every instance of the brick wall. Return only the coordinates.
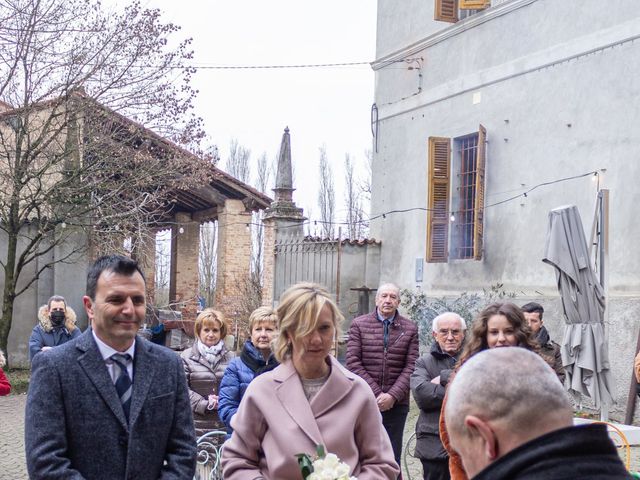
(234, 259)
(268, 266)
(185, 247)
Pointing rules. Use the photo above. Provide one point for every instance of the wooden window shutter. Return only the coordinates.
(446, 11)
(474, 4)
(478, 210)
(438, 200)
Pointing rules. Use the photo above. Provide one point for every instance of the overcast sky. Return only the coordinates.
(319, 105)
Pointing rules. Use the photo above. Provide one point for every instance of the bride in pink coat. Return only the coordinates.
(309, 400)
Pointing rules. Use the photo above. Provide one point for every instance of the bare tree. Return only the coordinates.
(365, 183)
(238, 162)
(353, 203)
(326, 194)
(264, 174)
(208, 261)
(85, 96)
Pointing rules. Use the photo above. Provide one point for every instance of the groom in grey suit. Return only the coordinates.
(110, 405)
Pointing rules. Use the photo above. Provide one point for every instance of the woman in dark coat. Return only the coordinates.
(204, 366)
(256, 358)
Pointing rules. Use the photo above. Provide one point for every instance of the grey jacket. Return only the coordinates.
(203, 379)
(429, 398)
(75, 427)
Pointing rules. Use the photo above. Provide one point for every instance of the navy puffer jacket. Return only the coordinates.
(237, 377)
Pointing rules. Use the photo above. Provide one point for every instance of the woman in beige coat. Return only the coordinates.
(204, 366)
(309, 400)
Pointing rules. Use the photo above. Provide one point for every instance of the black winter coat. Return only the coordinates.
(429, 397)
(584, 452)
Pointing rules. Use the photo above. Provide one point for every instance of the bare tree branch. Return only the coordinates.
(89, 100)
(326, 194)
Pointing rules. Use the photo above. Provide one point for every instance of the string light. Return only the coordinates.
(451, 214)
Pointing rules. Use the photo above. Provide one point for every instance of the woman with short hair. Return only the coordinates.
(256, 358)
(309, 400)
(204, 366)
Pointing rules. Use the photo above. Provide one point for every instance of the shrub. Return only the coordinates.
(422, 309)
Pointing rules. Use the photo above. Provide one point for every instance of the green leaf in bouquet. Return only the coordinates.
(320, 451)
(305, 463)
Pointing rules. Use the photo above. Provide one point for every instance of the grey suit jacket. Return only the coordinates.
(75, 426)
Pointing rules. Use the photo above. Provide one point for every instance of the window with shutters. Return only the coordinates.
(455, 207)
(453, 10)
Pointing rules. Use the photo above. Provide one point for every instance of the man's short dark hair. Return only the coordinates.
(56, 298)
(118, 264)
(533, 307)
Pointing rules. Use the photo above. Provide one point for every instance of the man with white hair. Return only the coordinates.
(428, 383)
(382, 348)
(509, 418)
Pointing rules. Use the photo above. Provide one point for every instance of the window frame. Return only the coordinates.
(439, 185)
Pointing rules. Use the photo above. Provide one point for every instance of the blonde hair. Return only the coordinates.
(262, 314)
(298, 311)
(209, 317)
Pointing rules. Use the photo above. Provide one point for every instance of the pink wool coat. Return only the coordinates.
(275, 422)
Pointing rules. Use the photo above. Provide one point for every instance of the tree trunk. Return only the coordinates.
(9, 293)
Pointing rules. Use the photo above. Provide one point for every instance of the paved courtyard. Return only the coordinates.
(12, 463)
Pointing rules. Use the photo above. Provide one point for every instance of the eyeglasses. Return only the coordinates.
(446, 332)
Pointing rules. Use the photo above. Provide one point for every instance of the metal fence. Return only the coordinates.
(306, 259)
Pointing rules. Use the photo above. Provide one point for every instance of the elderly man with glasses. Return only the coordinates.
(428, 384)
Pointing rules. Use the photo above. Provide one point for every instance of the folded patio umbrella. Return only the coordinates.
(584, 347)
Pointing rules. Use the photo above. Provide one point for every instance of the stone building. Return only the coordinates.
(221, 197)
(487, 118)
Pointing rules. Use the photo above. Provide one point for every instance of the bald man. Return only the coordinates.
(509, 418)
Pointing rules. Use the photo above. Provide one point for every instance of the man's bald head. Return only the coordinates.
(494, 405)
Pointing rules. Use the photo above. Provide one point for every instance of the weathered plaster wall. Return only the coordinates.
(527, 116)
(360, 266)
(66, 279)
(553, 83)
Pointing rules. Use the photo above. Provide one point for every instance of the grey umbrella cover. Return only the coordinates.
(584, 347)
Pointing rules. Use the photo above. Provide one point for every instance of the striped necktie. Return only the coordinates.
(123, 381)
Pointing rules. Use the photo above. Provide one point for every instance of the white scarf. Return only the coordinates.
(213, 353)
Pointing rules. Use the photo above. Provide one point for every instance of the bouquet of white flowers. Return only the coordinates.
(325, 466)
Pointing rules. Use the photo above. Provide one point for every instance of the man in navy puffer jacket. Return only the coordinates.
(255, 359)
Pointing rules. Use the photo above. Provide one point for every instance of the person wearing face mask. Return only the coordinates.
(56, 325)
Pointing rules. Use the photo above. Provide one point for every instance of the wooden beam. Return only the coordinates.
(205, 215)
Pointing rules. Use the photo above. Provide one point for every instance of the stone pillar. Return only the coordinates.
(268, 261)
(234, 260)
(184, 283)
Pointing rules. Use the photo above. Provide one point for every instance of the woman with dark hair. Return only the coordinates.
(498, 325)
